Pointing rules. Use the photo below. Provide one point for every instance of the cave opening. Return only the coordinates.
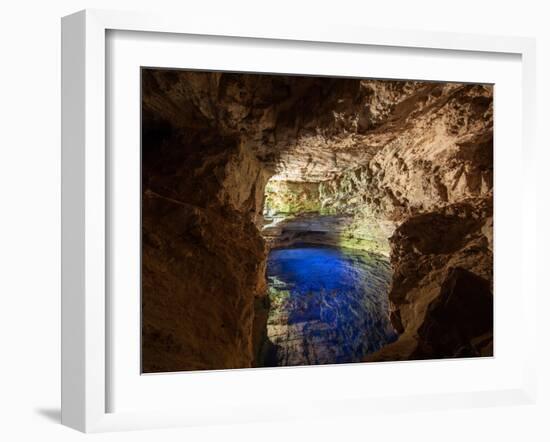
(327, 286)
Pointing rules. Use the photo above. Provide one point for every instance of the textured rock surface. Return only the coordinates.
(322, 213)
(406, 160)
(203, 257)
(308, 228)
(441, 292)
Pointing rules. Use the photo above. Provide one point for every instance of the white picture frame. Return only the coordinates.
(85, 308)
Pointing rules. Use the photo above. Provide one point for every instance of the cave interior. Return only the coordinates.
(292, 220)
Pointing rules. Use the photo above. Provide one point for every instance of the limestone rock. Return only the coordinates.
(443, 272)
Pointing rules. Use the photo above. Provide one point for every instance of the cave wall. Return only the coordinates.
(287, 199)
(441, 298)
(333, 212)
(203, 260)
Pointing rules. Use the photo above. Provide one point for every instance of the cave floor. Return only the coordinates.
(328, 305)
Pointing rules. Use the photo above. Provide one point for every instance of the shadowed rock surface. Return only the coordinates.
(400, 168)
(459, 322)
(427, 251)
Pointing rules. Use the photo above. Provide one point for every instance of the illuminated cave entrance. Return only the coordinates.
(327, 278)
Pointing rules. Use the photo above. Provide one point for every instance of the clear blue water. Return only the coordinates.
(328, 305)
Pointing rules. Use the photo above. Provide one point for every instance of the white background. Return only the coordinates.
(30, 221)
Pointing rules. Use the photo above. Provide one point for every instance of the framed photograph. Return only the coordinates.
(265, 223)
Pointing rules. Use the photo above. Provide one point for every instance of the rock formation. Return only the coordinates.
(403, 168)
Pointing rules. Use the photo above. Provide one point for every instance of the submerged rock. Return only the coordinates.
(328, 305)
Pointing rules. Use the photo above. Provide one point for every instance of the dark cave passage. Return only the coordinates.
(328, 305)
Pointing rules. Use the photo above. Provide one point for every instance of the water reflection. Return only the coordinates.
(328, 305)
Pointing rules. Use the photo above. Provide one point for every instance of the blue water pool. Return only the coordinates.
(328, 305)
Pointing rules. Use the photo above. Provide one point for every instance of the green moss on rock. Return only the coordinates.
(289, 198)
